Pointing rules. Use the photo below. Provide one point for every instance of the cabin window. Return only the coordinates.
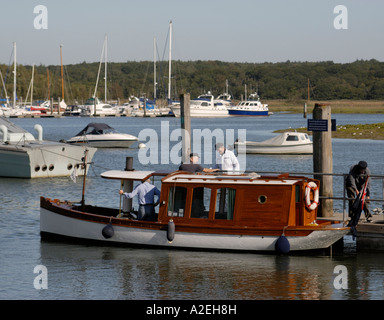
(292, 138)
(262, 199)
(176, 201)
(225, 203)
(297, 193)
(200, 202)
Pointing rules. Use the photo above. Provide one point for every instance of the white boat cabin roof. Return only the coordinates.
(234, 179)
(127, 175)
(253, 178)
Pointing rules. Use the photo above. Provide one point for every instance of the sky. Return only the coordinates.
(233, 31)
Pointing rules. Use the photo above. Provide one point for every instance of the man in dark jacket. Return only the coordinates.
(358, 175)
(193, 166)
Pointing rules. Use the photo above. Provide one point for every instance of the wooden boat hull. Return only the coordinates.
(60, 219)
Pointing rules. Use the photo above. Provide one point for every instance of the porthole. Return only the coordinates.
(262, 199)
(37, 168)
(70, 166)
(44, 168)
(51, 167)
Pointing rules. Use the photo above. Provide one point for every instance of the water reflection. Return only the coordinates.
(126, 273)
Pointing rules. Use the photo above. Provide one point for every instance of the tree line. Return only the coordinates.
(359, 80)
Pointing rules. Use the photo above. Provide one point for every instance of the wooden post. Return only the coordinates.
(185, 118)
(322, 159)
(128, 186)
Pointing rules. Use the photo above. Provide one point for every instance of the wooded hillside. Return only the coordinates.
(360, 80)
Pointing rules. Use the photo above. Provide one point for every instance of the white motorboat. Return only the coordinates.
(22, 156)
(285, 143)
(250, 107)
(101, 135)
(203, 106)
(102, 109)
(72, 111)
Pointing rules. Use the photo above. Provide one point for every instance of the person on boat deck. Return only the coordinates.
(146, 193)
(226, 159)
(193, 166)
(358, 175)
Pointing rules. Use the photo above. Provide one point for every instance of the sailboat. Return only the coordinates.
(94, 106)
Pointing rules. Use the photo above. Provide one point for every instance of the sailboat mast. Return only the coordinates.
(33, 73)
(170, 61)
(62, 73)
(154, 68)
(105, 62)
(49, 93)
(14, 75)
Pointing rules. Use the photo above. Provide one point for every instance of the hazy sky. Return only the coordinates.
(226, 30)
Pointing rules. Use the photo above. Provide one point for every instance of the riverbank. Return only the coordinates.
(373, 131)
(338, 106)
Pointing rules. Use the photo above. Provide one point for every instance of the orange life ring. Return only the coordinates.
(311, 205)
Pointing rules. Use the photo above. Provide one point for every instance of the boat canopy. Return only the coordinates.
(133, 175)
(94, 128)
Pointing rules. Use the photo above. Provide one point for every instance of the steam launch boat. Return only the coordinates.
(243, 212)
(23, 156)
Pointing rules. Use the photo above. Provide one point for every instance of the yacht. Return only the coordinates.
(23, 156)
(250, 107)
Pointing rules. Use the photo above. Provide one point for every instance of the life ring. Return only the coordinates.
(311, 205)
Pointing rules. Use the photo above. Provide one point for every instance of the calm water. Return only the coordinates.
(89, 272)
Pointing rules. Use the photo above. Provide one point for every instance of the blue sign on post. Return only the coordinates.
(317, 125)
(320, 125)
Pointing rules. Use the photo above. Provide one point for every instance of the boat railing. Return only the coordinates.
(375, 179)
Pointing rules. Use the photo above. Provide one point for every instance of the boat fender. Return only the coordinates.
(311, 205)
(108, 231)
(282, 244)
(171, 230)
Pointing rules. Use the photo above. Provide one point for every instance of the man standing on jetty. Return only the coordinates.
(358, 175)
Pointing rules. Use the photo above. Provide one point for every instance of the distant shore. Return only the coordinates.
(373, 131)
(338, 106)
(356, 131)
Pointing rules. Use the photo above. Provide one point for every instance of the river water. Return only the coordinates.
(77, 271)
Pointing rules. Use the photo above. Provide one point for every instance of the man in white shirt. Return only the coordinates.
(226, 159)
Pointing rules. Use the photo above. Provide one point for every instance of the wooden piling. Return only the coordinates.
(322, 159)
(185, 118)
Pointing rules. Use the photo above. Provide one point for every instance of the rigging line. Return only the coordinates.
(8, 69)
(145, 79)
(58, 154)
(69, 83)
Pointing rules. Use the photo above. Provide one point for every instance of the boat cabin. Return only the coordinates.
(247, 200)
(241, 200)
